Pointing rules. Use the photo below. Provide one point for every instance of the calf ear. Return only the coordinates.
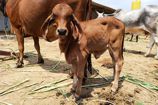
(77, 30)
(50, 19)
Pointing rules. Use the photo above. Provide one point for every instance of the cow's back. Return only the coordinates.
(30, 14)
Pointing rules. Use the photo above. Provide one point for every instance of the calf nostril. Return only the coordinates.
(62, 31)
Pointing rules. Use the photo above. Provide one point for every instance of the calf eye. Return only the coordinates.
(51, 21)
(104, 23)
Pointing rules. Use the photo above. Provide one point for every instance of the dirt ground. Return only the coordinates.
(55, 68)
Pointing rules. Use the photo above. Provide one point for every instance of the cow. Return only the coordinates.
(27, 17)
(78, 39)
(136, 31)
(146, 17)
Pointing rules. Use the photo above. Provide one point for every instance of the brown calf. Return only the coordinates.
(78, 39)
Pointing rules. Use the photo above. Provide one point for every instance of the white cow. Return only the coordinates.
(100, 15)
(146, 17)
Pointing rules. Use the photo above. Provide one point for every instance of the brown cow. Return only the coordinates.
(78, 39)
(136, 31)
(27, 17)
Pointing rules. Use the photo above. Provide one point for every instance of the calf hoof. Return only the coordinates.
(40, 61)
(72, 90)
(19, 65)
(156, 57)
(70, 75)
(76, 97)
(84, 81)
(114, 88)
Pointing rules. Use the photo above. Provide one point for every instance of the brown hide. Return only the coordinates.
(90, 37)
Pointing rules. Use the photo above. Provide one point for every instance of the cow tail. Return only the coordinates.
(89, 10)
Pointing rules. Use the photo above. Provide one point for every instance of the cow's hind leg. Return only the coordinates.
(37, 47)
(117, 57)
(137, 37)
(131, 37)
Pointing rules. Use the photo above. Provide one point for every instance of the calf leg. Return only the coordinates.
(150, 45)
(78, 78)
(89, 63)
(88, 67)
(37, 47)
(117, 57)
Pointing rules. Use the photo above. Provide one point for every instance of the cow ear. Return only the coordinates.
(77, 30)
(50, 19)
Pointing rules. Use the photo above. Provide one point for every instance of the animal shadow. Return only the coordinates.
(137, 52)
(54, 66)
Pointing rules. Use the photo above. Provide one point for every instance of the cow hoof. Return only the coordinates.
(40, 61)
(19, 65)
(156, 57)
(146, 55)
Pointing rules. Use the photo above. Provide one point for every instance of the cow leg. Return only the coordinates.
(156, 57)
(150, 45)
(131, 37)
(117, 57)
(137, 37)
(37, 47)
(156, 41)
(20, 40)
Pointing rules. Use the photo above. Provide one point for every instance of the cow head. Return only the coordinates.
(63, 19)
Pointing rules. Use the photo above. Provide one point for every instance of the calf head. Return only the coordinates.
(63, 19)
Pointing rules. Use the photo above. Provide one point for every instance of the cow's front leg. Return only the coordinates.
(149, 46)
(37, 47)
(20, 40)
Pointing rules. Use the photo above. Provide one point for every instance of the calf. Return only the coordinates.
(78, 39)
